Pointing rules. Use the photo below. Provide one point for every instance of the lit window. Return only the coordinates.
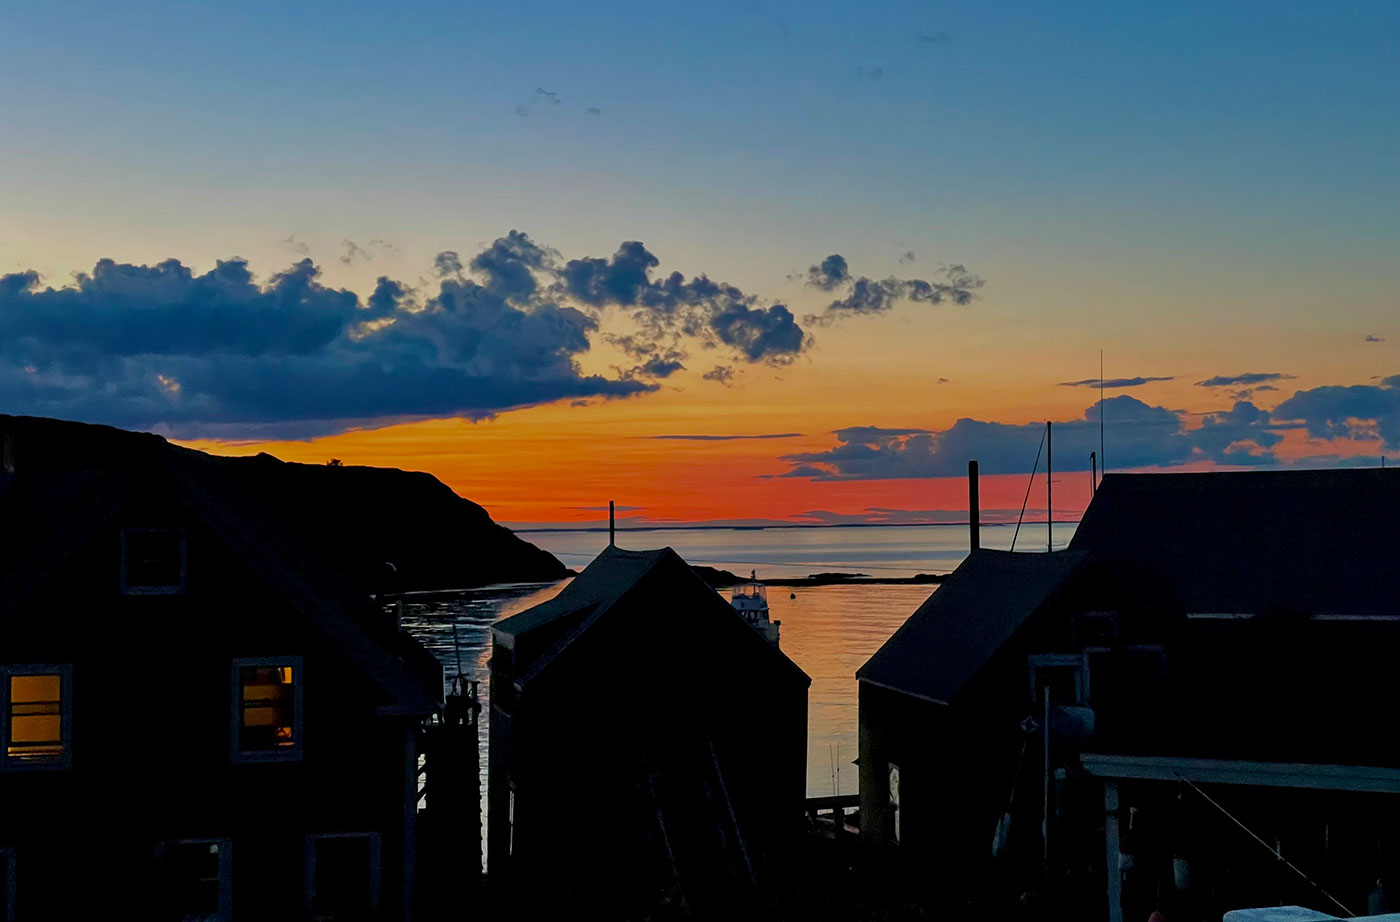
(342, 876)
(37, 723)
(153, 561)
(196, 880)
(7, 885)
(266, 709)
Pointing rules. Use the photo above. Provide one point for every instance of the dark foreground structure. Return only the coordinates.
(1190, 710)
(648, 747)
(199, 718)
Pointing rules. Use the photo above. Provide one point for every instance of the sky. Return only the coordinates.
(747, 261)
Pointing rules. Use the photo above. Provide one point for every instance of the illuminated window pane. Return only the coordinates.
(35, 720)
(268, 708)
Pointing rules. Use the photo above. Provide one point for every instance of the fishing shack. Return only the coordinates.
(647, 745)
(199, 717)
(1186, 711)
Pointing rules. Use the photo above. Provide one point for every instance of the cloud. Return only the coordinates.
(1138, 435)
(221, 355)
(295, 245)
(1113, 382)
(353, 251)
(593, 112)
(1251, 377)
(1360, 411)
(864, 295)
(1373, 338)
(218, 355)
(724, 374)
(945, 380)
(726, 438)
(935, 38)
(541, 97)
(907, 257)
(873, 74)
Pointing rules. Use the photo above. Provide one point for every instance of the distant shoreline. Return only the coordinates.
(604, 528)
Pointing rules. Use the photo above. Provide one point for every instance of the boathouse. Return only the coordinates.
(1189, 710)
(647, 745)
(198, 717)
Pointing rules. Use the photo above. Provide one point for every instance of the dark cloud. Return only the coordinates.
(509, 265)
(296, 246)
(1251, 377)
(1360, 411)
(352, 252)
(386, 246)
(724, 374)
(935, 38)
(726, 438)
(224, 356)
(1373, 338)
(1113, 382)
(219, 355)
(1138, 435)
(907, 257)
(447, 263)
(593, 112)
(944, 380)
(874, 73)
(830, 273)
(864, 295)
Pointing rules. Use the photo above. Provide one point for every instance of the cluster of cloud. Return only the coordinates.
(221, 355)
(864, 295)
(1138, 435)
(1115, 383)
(548, 99)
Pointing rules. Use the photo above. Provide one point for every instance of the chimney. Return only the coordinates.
(974, 510)
(612, 525)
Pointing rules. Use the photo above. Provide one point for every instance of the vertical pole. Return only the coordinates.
(1111, 856)
(974, 508)
(1093, 473)
(612, 525)
(1049, 504)
(1103, 457)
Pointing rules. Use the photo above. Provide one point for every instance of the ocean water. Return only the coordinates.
(829, 631)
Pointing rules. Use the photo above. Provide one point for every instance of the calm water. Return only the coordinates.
(827, 630)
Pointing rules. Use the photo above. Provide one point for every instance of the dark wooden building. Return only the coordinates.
(198, 718)
(647, 745)
(1191, 709)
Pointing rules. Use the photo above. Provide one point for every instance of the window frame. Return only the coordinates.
(169, 589)
(7, 870)
(291, 753)
(309, 866)
(225, 912)
(1079, 662)
(65, 716)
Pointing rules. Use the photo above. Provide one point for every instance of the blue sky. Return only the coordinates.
(1202, 190)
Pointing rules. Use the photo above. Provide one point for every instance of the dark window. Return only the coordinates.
(267, 709)
(194, 880)
(37, 717)
(153, 561)
(342, 877)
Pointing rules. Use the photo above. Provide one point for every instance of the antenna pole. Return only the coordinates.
(1102, 456)
(612, 525)
(1093, 474)
(974, 510)
(1049, 500)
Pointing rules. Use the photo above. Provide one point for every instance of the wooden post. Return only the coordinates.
(1114, 877)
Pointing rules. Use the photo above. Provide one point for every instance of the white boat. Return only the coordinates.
(750, 600)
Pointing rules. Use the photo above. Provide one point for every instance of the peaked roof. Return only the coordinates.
(612, 576)
(1319, 542)
(970, 616)
(56, 512)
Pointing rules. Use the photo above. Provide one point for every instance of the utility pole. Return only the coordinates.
(1049, 500)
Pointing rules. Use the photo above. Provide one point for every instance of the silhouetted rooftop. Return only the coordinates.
(976, 610)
